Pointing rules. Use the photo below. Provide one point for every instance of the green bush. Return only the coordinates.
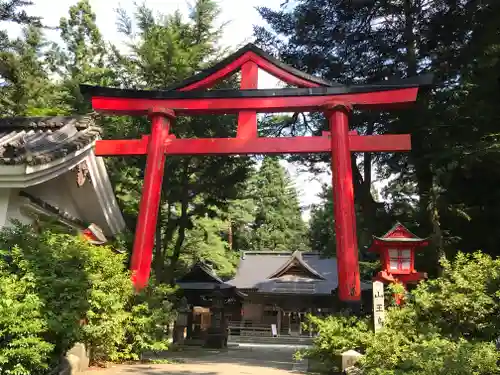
(57, 289)
(337, 334)
(465, 301)
(22, 347)
(447, 326)
(150, 315)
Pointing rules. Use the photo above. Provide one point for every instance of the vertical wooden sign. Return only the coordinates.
(378, 305)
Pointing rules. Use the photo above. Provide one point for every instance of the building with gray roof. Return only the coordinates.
(277, 289)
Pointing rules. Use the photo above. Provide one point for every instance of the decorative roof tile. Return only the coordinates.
(40, 140)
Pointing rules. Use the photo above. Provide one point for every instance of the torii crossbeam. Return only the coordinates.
(313, 94)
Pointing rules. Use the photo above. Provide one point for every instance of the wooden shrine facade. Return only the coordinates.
(269, 289)
(312, 94)
(281, 288)
(210, 304)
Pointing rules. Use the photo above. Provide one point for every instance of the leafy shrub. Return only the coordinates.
(447, 326)
(337, 334)
(150, 315)
(22, 347)
(57, 289)
(465, 301)
(395, 353)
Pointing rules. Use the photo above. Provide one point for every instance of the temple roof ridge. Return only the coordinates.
(270, 252)
(295, 259)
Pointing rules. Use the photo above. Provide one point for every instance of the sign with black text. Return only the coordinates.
(378, 305)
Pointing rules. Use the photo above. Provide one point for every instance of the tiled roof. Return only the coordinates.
(40, 140)
(255, 268)
(202, 277)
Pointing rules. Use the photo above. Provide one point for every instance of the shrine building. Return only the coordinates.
(49, 171)
(270, 294)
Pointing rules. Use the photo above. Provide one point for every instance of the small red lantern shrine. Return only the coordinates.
(397, 253)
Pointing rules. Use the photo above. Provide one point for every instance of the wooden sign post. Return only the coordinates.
(378, 305)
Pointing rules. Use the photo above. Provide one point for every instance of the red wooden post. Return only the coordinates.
(343, 196)
(247, 120)
(142, 253)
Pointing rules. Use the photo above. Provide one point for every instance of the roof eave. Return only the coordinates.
(105, 194)
(400, 239)
(22, 176)
(202, 266)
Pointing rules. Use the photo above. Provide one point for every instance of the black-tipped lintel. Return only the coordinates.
(94, 91)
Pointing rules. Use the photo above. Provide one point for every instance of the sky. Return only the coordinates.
(239, 15)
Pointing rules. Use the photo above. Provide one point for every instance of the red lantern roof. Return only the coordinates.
(398, 234)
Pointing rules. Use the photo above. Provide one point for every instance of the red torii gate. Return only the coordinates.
(314, 94)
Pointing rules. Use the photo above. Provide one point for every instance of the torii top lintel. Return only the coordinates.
(192, 97)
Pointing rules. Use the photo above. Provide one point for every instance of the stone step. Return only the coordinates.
(285, 340)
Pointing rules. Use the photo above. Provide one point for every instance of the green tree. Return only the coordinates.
(67, 281)
(27, 89)
(369, 41)
(206, 242)
(22, 326)
(322, 224)
(240, 216)
(62, 290)
(82, 57)
(13, 11)
(278, 225)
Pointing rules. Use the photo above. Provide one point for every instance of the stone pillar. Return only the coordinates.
(349, 359)
(77, 360)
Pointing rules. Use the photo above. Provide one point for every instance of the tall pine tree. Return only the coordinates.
(278, 225)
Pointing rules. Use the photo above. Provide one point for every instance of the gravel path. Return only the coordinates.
(258, 360)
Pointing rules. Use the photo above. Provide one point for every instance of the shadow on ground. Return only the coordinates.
(158, 371)
(264, 357)
(232, 361)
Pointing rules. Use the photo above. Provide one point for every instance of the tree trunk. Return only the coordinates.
(363, 195)
(427, 185)
(157, 260)
(230, 234)
(183, 223)
(437, 233)
(164, 241)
